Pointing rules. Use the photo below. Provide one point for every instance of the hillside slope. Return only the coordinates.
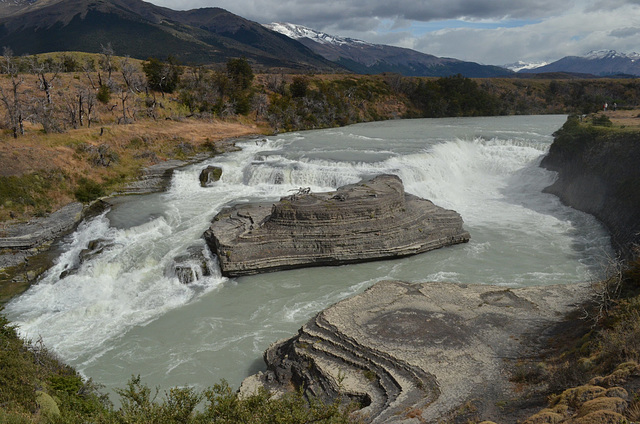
(140, 30)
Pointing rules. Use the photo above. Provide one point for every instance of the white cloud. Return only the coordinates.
(541, 30)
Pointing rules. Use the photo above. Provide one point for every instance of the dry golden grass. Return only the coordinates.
(63, 154)
(624, 118)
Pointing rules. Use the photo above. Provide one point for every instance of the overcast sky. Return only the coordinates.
(495, 32)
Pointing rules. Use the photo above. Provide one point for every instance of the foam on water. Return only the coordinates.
(121, 310)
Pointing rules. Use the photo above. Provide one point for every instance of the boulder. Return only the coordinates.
(369, 220)
(191, 266)
(209, 175)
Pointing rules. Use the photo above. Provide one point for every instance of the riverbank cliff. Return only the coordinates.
(599, 173)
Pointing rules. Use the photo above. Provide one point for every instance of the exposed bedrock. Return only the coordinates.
(369, 220)
(419, 352)
(598, 173)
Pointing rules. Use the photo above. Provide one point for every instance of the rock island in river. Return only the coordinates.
(372, 219)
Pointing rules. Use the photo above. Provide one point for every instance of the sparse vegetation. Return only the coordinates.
(35, 387)
(595, 368)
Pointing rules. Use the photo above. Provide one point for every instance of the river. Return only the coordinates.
(124, 312)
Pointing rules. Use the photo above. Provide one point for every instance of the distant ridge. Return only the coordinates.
(140, 29)
(367, 58)
(597, 62)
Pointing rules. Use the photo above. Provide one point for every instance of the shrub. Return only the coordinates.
(88, 190)
(602, 121)
(104, 94)
(161, 76)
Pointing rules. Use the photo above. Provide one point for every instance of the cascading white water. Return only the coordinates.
(113, 307)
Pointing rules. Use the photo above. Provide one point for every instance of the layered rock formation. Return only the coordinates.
(419, 352)
(598, 173)
(370, 220)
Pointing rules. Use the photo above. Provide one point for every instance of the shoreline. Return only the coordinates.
(27, 248)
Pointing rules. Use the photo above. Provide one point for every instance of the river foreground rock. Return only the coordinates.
(369, 220)
(420, 352)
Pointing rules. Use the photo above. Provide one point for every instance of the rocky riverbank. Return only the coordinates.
(421, 352)
(25, 248)
(369, 220)
(599, 173)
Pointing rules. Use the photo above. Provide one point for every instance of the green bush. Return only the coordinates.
(602, 121)
(162, 76)
(223, 405)
(88, 190)
(104, 94)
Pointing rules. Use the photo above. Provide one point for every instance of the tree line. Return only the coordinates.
(106, 88)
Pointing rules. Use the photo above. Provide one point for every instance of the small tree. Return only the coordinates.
(47, 73)
(162, 76)
(299, 87)
(240, 76)
(106, 62)
(240, 73)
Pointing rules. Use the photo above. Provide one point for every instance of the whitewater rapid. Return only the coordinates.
(123, 311)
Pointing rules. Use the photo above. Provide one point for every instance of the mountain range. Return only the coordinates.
(599, 62)
(142, 30)
(367, 58)
(204, 36)
(213, 35)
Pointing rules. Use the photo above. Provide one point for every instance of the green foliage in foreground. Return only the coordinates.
(35, 387)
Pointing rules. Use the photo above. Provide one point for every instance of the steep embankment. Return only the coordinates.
(598, 173)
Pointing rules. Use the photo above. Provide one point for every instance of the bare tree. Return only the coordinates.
(131, 76)
(13, 100)
(47, 73)
(124, 97)
(73, 111)
(87, 102)
(88, 67)
(106, 62)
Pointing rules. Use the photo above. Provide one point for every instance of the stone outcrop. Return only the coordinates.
(191, 266)
(25, 247)
(598, 173)
(41, 230)
(419, 352)
(209, 175)
(373, 219)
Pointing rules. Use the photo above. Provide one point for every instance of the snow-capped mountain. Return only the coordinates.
(597, 62)
(367, 58)
(298, 31)
(520, 65)
(610, 54)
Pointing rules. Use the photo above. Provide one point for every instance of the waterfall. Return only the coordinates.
(114, 303)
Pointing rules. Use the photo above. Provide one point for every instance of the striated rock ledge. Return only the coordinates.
(419, 352)
(370, 220)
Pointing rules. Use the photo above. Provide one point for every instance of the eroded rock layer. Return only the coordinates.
(420, 352)
(370, 220)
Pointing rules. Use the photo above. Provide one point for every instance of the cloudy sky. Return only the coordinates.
(495, 32)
